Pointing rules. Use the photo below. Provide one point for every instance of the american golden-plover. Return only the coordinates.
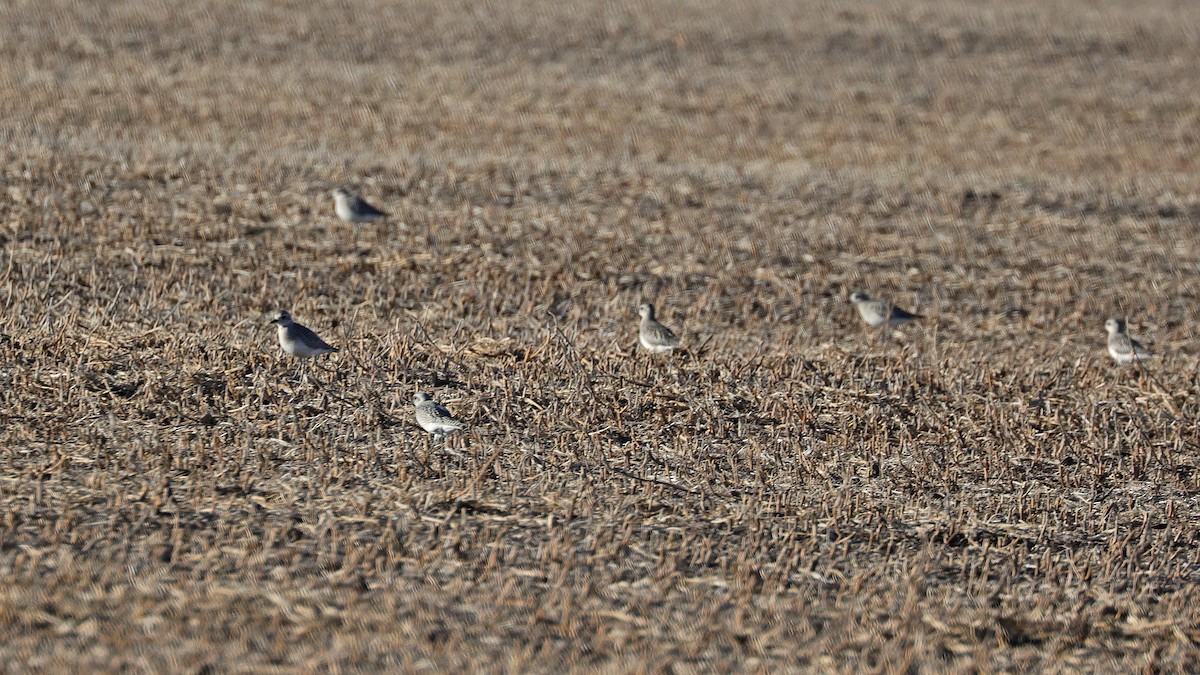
(878, 312)
(652, 334)
(433, 416)
(1121, 347)
(298, 340)
(354, 209)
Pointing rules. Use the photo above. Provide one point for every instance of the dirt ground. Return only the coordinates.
(983, 490)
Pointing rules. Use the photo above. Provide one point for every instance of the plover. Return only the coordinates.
(354, 209)
(1121, 347)
(433, 416)
(878, 312)
(298, 340)
(653, 335)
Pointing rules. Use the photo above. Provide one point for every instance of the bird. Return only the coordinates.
(433, 416)
(878, 312)
(297, 340)
(652, 334)
(354, 209)
(1121, 347)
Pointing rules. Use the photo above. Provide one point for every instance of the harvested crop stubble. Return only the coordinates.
(983, 490)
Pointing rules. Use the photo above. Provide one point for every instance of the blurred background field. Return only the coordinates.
(980, 491)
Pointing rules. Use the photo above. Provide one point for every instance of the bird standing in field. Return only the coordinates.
(433, 416)
(354, 209)
(876, 313)
(297, 340)
(652, 334)
(1121, 347)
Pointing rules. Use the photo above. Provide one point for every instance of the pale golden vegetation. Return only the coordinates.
(983, 490)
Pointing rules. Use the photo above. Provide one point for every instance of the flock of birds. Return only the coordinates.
(876, 313)
(299, 341)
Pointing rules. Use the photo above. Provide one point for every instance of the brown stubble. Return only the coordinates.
(979, 490)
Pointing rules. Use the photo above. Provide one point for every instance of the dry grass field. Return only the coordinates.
(982, 491)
